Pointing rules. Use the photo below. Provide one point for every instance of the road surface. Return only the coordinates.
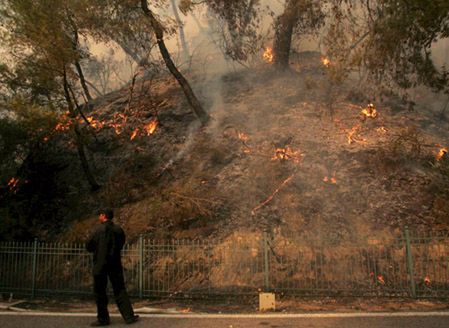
(331, 320)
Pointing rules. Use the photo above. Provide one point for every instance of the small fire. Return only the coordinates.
(380, 279)
(381, 130)
(117, 128)
(151, 127)
(268, 55)
(270, 198)
(331, 180)
(351, 134)
(97, 125)
(427, 281)
(370, 111)
(284, 154)
(326, 62)
(12, 184)
(242, 136)
(441, 153)
(134, 134)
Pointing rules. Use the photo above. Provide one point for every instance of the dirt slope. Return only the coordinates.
(272, 158)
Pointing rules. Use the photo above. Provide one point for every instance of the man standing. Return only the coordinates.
(106, 242)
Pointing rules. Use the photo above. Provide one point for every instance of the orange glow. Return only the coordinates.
(427, 281)
(242, 136)
(331, 180)
(326, 62)
(370, 111)
(381, 130)
(268, 55)
(97, 125)
(284, 154)
(270, 198)
(441, 153)
(12, 184)
(134, 134)
(380, 279)
(151, 127)
(351, 134)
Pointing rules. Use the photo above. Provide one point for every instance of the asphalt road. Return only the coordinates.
(378, 321)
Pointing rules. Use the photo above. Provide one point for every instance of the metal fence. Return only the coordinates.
(402, 267)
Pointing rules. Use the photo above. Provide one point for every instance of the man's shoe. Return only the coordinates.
(99, 323)
(131, 320)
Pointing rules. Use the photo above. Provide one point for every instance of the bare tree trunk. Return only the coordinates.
(134, 55)
(78, 139)
(182, 36)
(190, 95)
(83, 81)
(75, 45)
(284, 27)
(95, 88)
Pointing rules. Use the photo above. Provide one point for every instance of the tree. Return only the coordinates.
(190, 95)
(182, 37)
(299, 17)
(42, 35)
(238, 26)
(391, 40)
(107, 13)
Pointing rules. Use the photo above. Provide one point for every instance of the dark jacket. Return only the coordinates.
(106, 242)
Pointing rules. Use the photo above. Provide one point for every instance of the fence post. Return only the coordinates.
(140, 266)
(410, 262)
(266, 263)
(33, 272)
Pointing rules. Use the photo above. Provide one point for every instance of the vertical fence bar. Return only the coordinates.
(266, 265)
(33, 281)
(140, 266)
(410, 263)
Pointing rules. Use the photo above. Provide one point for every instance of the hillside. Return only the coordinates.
(272, 158)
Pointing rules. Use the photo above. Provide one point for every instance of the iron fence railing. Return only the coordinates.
(403, 267)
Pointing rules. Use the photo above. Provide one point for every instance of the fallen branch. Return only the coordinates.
(270, 198)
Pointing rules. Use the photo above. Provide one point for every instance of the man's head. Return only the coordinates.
(105, 215)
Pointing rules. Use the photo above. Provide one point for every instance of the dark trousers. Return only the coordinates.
(120, 295)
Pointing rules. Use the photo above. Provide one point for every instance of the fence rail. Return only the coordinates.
(403, 267)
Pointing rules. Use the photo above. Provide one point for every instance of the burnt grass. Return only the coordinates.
(188, 181)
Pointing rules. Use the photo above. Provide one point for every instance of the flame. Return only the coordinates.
(117, 128)
(380, 279)
(242, 136)
(326, 62)
(285, 154)
(268, 55)
(151, 127)
(370, 111)
(441, 153)
(331, 180)
(351, 134)
(12, 184)
(270, 198)
(134, 134)
(381, 130)
(97, 125)
(427, 281)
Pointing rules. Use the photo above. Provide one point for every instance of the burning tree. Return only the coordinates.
(55, 55)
